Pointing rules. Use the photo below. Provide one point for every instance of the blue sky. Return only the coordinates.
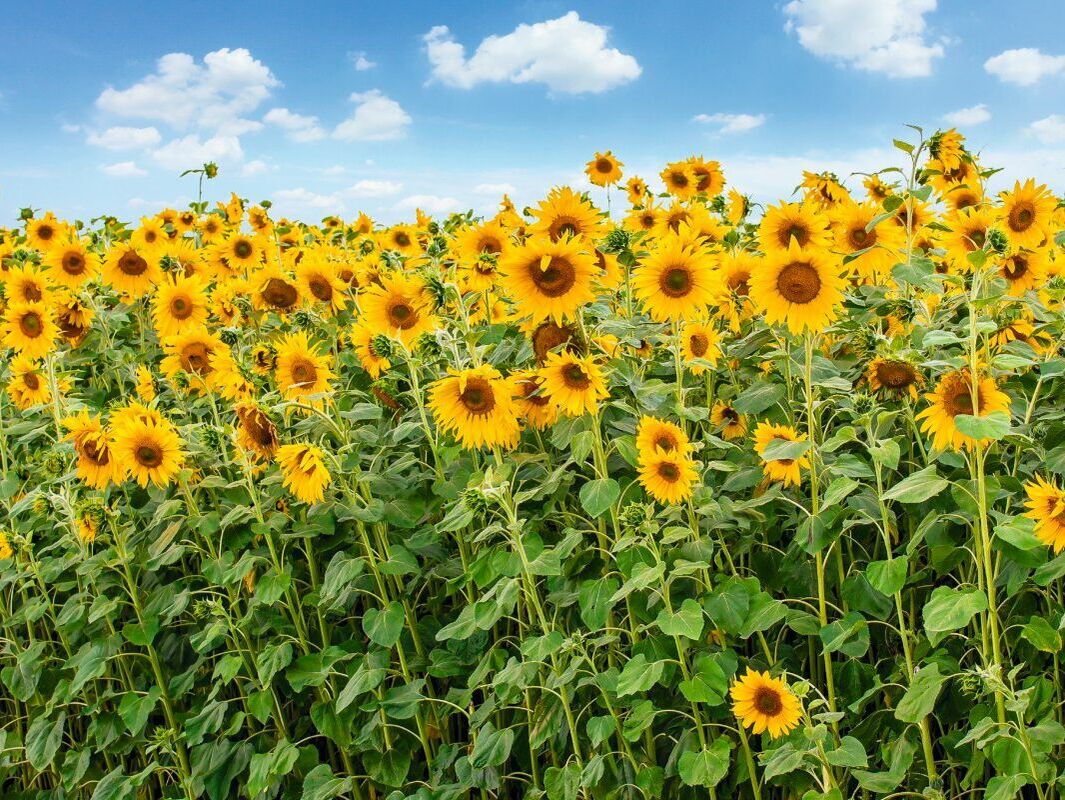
(344, 106)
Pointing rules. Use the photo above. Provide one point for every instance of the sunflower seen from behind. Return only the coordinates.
(476, 406)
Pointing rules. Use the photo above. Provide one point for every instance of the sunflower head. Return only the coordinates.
(765, 704)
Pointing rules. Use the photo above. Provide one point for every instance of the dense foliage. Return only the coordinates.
(696, 500)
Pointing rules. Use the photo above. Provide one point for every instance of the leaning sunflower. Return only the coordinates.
(676, 281)
(764, 703)
(732, 423)
(148, 449)
(799, 287)
(1046, 505)
(30, 328)
(93, 447)
(893, 376)
(576, 384)
(28, 385)
(954, 396)
(533, 405)
(303, 471)
(549, 279)
(256, 432)
(477, 406)
(301, 372)
(786, 470)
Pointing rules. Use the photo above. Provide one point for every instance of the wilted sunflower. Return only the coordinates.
(668, 476)
(149, 450)
(787, 470)
(954, 395)
(763, 703)
(1046, 505)
(93, 447)
(656, 434)
(28, 385)
(256, 432)
(477, 406)
(893, 376)
(30, 328)
(130, 270)
(699, 341)
(732, 423)
(304, 471)
(533, 404)
(399, 306)
(301, 372)
(791, 222)
(676, 281)
(798, 287)
(566, 214)
(576, 384)
(180, 304)
(71, 264)
(1026, 213)
(604, 169)
(549, 279)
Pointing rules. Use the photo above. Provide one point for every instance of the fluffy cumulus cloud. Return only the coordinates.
(731, 123)
(1024, 66)
(297, 127)
(886, 36)
(375, 188)
(1049, 130)
(569, 55)
(125, 138)
(376, 118)
(123, 169)
(190, 151)
(361, 62)
(429, 203)
(967, 117)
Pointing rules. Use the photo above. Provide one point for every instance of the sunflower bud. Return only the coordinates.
(997, 241)
(381, 346)
(617, 241)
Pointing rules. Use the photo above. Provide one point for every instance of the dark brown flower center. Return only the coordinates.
(678, 180)
(31, 324)
(149, 455)
(604, 165)
(402, 315)
(31, 381)
(242, 248)
(895, 374)
(564, 227)
(196, 358)
(738, 282)
(768, 701)
(304, 372)
(676, 281)
(699, 344)
(478, 397)
(548, 336)
(181, 307)
(557, 279)
(575, 377)
(45, 232)
(97, 455)
(401, 239)
(72, 263)
(1021, 217)
(132, 264)
(320, 288)
(797, 231)
(669, 471)
(280, 294)
(799, 282)
(1015, 267)
(860, 238)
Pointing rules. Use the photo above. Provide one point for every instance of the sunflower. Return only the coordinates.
(42, 233)
(798, 287)
(401, 238)
(25, 283)
(477, 406)
(1026, 213)
(656, 434)
(532, 403)
(304, 471)
(130, 270)
(240, 251)
(667, 476)
(6, 551)
(566, 214)
(149, 450)
(788, 222)
(732, 423)
(150, 237)
(737, 207)
(876, 189)
(604, 169)
(319, 282)
(1046, 505)
(256, 432)
(764, 703)
(180, 304)
(549, 336)
(373, 359)
(969, 228)
(636, 188)
(679, 179)
(872, 251)
(823, 190)
(398, 306)
(211, 228)
(709, 179)
(893, 376)
(145, 384)
(196, 353)
(948, 148)
(28, 385)
(549, 279)
(274, 290)
(93, 448)
(699, 342)
(575, 383)
(1025, 270)
(301, 372)
(676, 281)
(963, 196)
(645, 218)
(30, 328)
(954, 395)
(478, 250)
(787, 470)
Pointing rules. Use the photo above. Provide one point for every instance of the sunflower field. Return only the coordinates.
(683, 496)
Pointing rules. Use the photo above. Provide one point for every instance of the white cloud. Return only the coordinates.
(885, 36)
(297, 127)
(253, 168)
(190, 152)
(1049, 130)
(495, 189)
(429, 203)
(372, 188)
(376, 118)
(1024, 66)
(123, 169)
(732, 123)
(361, 62)
(122, 138)
(70, 128)
(567, 54)
(967, 117)
(184, 94)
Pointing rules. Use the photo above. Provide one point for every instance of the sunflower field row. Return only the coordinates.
(682, 497)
